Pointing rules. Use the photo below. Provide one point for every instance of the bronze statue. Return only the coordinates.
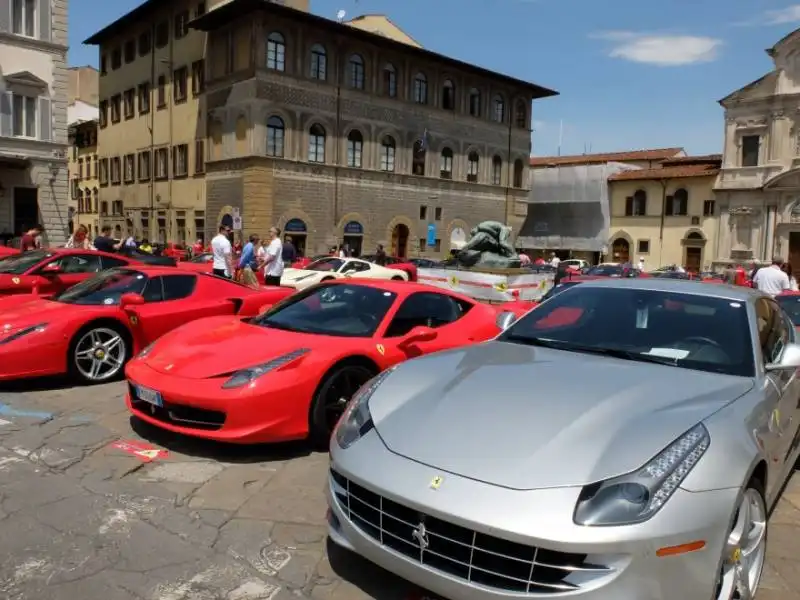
(489, 247)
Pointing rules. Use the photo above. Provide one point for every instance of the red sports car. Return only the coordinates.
(288, 373)
(91, 330)
(54, 270)
(7, 251)
(393, 262)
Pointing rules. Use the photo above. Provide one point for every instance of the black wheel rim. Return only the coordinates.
(341, 387)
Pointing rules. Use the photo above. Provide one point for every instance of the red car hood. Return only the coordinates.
(221, 345)
(18, 312)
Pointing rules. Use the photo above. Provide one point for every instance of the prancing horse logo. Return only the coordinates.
(421, 535)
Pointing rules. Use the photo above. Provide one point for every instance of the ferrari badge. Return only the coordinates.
(381, 350)
(453, 281)
(501, 287)
(436, 482)
(736, 556)
(134, 320)
(15, 281)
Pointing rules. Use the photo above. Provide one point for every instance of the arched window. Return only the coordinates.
(356, 66)
(388, 148)
(355, 147)
(418, 158)
(498, 109)
(446, 164)
(519, 173)
(420, 89)
(521, 114)
(474, 103)
(678, 203)
(316, 143)
(319, 63)
(276, 133)
(448, 95)
(389, 80)
(636, 205)
(276, 51)
(473, 163)
(497, 170)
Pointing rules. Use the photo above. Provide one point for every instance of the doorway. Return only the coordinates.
(794, 248)
(621, 251)
(400, 240)
(694, 259)
(26, 209)
(354, 244)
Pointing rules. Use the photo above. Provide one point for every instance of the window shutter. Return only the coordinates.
(45, 120)
(5, 114)
(45, 20)
(5, 18)
(629, 206)
(669, 208)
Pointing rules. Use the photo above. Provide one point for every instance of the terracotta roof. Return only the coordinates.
(708, 169)
(588, 159)
(693, 160)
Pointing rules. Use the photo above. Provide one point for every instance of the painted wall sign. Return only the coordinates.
(354, 228)
(295, 226)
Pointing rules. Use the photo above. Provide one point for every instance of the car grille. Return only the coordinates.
(179, 414)
(476, 557)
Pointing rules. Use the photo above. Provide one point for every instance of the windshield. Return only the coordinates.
(791, 305)
(683, 330)
(326, 264)
(19, 263)
(557, 289)
(106, 288)
(343, 310)
(606, 271)
(202, 258)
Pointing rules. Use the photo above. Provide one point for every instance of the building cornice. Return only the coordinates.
(32, 43)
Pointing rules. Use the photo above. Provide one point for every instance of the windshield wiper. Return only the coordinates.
(612, 352)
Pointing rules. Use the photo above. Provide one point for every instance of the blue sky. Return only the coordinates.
(632, 74)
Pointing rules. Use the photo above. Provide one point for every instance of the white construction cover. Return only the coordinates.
(486, 286)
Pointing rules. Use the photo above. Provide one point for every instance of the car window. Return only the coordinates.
(154, 290)
(326, 264)
(342, 310)
(606, 271)
(773, 333)
(557, 289)
(791, 305)
(111, 262)
(692, 331)
(106, 288)
(356, 267)
(177, 287)
(78, 263)
(429, 309)
(20, 263)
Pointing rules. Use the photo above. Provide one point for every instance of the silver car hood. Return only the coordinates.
(527, 418)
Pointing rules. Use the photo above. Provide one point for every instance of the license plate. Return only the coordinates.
(150, 396)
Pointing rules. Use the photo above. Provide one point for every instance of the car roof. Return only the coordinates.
(679, 286)
(156, 270)
(68, 251)
(399, 287)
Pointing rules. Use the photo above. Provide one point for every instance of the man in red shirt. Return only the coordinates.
(28, 241)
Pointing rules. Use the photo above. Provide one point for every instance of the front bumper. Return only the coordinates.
(591, 563)
(201, 408)
(23, 358)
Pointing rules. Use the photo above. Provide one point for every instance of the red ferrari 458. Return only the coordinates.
(92, 329)
(288, 373)
(7, 251)
(54, 270)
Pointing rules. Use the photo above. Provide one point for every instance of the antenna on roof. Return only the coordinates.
(341, 15)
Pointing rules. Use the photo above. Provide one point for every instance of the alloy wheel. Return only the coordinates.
(745, 550)
(343, 385)
(100, 354)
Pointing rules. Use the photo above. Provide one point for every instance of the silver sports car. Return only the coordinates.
(623, 441)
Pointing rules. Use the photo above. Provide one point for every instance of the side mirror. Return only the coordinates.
(506, 319)
(131, 299)
(789, 360)
(51, 269)
(419, 334)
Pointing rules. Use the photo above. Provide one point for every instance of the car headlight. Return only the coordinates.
(145, 351)
(23, 332)
(356, 421)
(246, 376)
(636, 497)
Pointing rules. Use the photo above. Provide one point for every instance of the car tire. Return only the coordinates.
(325, 409)
(326, 279)
(112, 339)
(397, 278)
(744, 553)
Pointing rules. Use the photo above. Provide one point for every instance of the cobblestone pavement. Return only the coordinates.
(80, 518)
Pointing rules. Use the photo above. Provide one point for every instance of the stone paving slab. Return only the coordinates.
(82, 519)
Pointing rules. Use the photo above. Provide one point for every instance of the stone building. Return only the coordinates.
(82, 165)
(340, 132)
(33, 118)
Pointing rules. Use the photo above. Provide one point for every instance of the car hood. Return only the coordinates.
(218, 346)
(518, 417)
(19, 312)
(298, 274)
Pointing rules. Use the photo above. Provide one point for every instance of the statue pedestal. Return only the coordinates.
(489, 285)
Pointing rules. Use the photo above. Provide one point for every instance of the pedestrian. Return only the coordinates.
(380, 256)
(554, 260)
(772, 280)
(289, 252)
(104, 242)
(787, 268)
(248, 262)
(641, 263)
(145, 246)
(273, 258)
(341, 252)
(28, 241)
(222, 250)
(79, 239)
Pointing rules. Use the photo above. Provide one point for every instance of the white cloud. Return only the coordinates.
(661, 50)
(783, 16)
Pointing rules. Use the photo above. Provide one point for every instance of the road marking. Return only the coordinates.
(4, 422)
(142, 451)
(8, 411)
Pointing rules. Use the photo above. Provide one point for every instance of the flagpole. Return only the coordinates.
(560, 135)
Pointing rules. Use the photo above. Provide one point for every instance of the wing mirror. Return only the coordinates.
(419, 334)
(506, 319)
(51, 269)
(131, 299)
(789, 360)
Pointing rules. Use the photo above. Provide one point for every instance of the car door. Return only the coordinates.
(171, 301)
(71, 269)
(424, 309)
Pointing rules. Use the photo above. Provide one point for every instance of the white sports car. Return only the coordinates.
(332, 267)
